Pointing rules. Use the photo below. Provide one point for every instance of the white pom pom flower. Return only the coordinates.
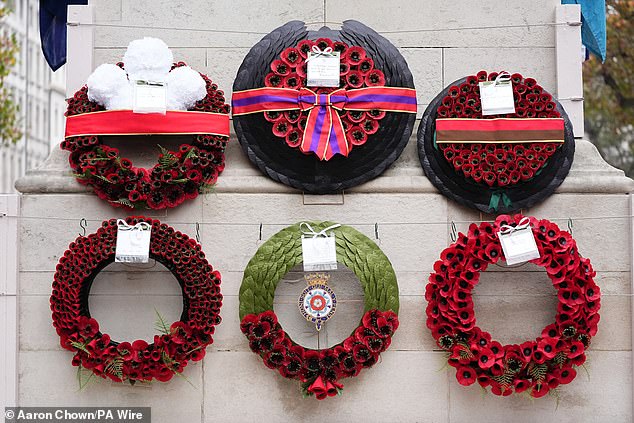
(148, 59)
(185, 87)
(108, 85)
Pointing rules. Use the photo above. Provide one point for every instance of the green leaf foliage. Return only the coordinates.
(283, 251)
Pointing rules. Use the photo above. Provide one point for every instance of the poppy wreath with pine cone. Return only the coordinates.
(136, 361)
(536, 366)
(178, 175)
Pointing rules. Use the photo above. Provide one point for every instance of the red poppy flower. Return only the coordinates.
(375, 78)
(376, 114)
(527, 350)
(292, 80)
(290, 56)
(294, 137)
(304, 47)
(539, 390)
(354, 79)
(499, 390)
(566, 375)
(324, 43)
(87, 326)
(481, 76)
(355, 55)
(571, 297)
(366, 65)
(357, 135)
(466, 316)
(275, 358)
(484, 381)
(361, 353)
(493, 251)
(547, 347)
(370, 126)
(466, 376)
(281, 128)
(489, 178)
(355, 116)
(280, 68)
(486, 358)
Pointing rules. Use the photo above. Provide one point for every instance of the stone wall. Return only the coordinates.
(410, 383)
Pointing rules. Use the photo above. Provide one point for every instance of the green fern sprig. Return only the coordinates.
(191, 154)
(125, 202)
(538, 372)
(83, 381)
(167, 159)
(80, 346)
(160, 324)
(115, 367)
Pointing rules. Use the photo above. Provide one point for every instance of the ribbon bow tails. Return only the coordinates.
(324, 134)
(141, 226)
(308, 231)
(508, 229)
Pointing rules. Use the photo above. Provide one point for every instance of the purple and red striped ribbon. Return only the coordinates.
(324, 134)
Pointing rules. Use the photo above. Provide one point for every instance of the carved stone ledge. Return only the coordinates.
(589, 174)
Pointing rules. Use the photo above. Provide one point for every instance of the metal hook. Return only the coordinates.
(376, 230)
(83, 224)
(570, 225)
(454, 232)
(198, 232)
(260, 232)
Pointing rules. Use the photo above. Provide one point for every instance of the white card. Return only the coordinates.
(149, 97)
(319, 253)
(497, 96)
(133, 243)
(519, 246)
(322, 69)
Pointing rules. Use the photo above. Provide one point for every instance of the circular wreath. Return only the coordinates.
(319, 371)
(178, 343)
(368, 60)
(356, 71)
(178, 175)
(522, 174)
(540, 365)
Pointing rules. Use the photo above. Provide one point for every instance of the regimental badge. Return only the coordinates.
(318, 302)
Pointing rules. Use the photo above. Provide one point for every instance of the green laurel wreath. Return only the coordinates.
(283, 251)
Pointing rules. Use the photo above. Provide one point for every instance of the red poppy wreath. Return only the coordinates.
(195, 107)
(536, 366)
(136, 361)
(305, 117)
(331, 129)
(319, 371)
(501, 163)
(496, 163)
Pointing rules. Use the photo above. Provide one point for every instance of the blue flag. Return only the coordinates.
(53, 14)
(593, 33)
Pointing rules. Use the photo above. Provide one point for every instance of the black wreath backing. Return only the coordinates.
(306, 172)
(475, 195)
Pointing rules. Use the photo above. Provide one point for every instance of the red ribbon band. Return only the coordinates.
(324, 134)
(126, 122)
(501, 130)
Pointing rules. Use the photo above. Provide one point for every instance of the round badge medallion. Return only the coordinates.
(318, 302)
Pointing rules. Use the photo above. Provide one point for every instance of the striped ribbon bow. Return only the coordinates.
(324, 134)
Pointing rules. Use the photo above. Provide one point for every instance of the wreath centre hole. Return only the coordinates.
(350, 306)
(514, 304)
(143, 150)
(125, 299)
